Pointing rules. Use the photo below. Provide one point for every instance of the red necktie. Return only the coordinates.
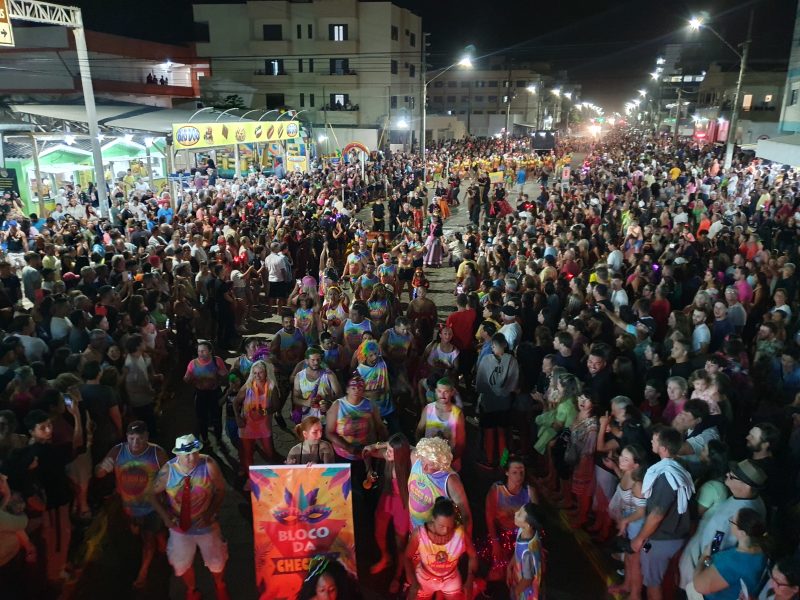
(185, 521)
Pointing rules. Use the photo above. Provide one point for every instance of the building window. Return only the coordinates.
(462, 112)
(480, 84)
(492, 84)
(273, 33)
(393, 102)
(478, 98)
(299, 32)
(274, 101)
(337, 33)
(310, 65)
(412, 39)
(793, 97)
(451, 99)
(274, 66)
(521, 83)
(477, 112)
(310, 32)
(311, 100)
(302, 100)
(339, 100)
(451, 84)
(747, 102)
(465, 98)
(395, 33)
(412, 70)
(299, 65)
(437, 99)
(394, 67)
(438, 84)
(465, 84)
(340, 66)
(492, 98)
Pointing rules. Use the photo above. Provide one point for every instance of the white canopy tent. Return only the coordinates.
(784, 150)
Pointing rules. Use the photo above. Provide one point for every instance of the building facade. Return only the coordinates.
(759, 104)
(345, 63)
(43, 67)
(790, 110)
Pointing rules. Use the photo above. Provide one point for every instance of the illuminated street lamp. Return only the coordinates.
(654, 75)
(466, 63)
(531, 89)
(695, 24)
(643, 93)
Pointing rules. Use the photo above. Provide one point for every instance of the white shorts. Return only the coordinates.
(182, 547)
(450, 587)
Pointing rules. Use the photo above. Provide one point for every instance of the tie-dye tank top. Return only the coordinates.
(304, 321)
(201, 493)
(423, 489)
(353, 424)
(134, 472)
(377, 378)
(445, 428)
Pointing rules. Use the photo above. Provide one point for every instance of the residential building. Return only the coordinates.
(479, 96)
(346, 63)
(790, 111)
(43, 67)
(759, 104)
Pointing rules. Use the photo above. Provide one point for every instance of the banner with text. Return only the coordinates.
(193, 136)
(299, 512)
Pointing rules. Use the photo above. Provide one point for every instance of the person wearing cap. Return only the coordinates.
(135, 463)
(187, 494)
(744, 481)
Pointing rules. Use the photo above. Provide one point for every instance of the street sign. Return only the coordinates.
(6, 33)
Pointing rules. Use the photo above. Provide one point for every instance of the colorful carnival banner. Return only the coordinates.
(193, 136)
(496, 177)
(299, 511)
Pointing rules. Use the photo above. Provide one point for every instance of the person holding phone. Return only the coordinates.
(736, 572)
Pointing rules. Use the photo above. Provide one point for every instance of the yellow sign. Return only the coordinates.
(194, 136)
(496, 177)
(6, 33)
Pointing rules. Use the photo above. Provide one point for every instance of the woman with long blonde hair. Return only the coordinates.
(251, 409)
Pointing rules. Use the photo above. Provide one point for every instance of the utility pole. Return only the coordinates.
(731, 145)
(422, 123)
(678, 113)
(508, 103)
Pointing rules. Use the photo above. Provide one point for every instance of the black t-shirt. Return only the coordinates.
(13, 287)
(378, 210)
(663, 499)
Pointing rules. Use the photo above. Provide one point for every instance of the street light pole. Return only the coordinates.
(731, 145)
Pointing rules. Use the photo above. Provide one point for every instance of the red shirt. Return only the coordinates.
(462, 323)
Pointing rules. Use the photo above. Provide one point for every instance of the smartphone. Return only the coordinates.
(717, 542)
(67, 401)
(130, 276)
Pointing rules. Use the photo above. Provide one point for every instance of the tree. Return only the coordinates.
(231, 101)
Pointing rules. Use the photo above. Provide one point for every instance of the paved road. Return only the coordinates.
(573, 572)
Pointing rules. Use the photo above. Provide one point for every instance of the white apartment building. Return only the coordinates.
(346, 63)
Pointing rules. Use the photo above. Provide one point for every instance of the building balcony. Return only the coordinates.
(136, 87)
(339, 117)
(278, 48)
(346, 78)
(262, 77)
(331, 48)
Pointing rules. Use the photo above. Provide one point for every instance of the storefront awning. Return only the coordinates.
(784, 150)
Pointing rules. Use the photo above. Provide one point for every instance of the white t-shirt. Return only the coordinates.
(60, 327)
(276, 267)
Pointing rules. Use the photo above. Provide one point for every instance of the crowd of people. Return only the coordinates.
(624, 348)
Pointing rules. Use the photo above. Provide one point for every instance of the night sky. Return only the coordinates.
(607, 46)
